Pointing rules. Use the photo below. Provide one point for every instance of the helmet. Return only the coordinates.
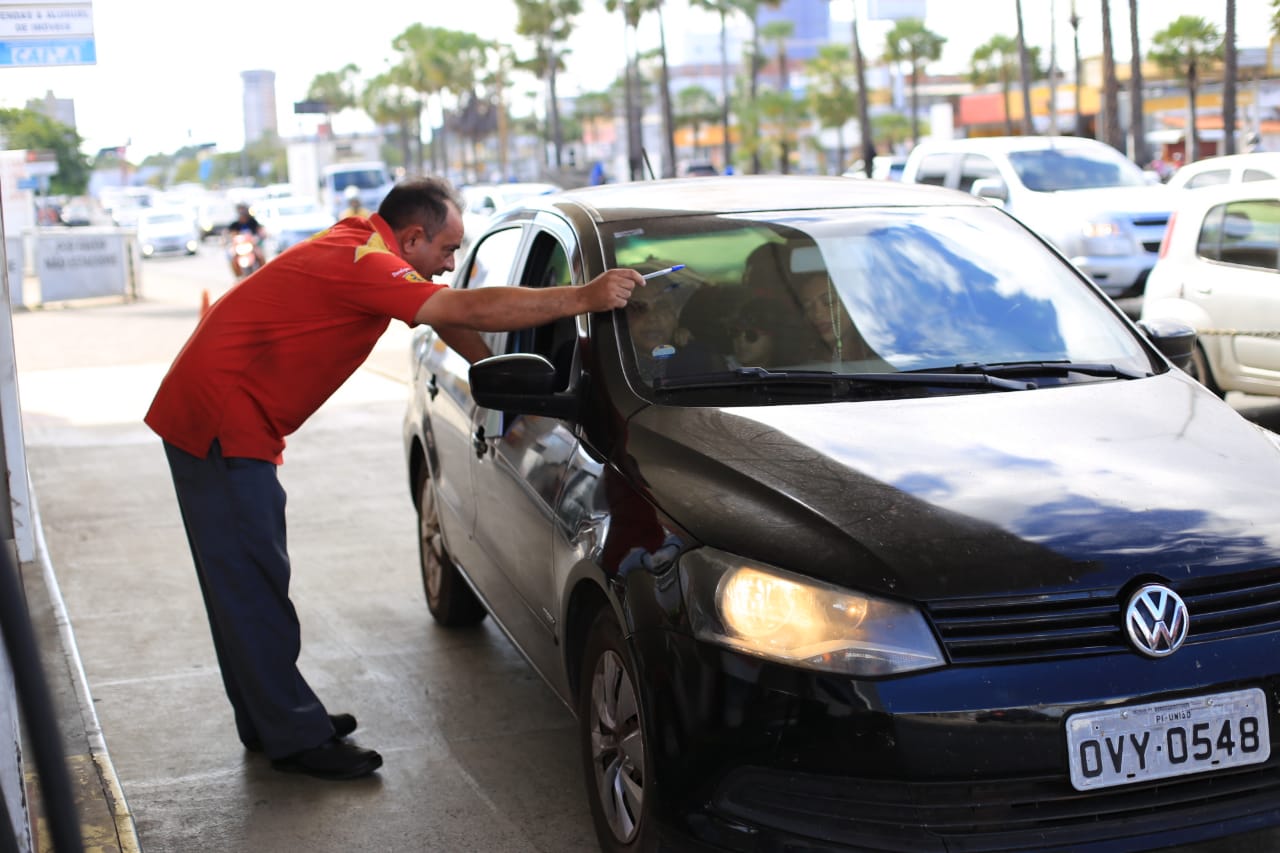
(351, 192)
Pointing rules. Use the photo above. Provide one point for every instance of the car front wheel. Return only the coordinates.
(613, 743)
(449, 599)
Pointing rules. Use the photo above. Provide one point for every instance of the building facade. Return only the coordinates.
(259, 105)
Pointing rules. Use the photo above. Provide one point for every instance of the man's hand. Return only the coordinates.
(611, 289)
(499, 309)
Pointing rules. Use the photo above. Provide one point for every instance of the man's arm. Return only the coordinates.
(466, 342)
(501, 309)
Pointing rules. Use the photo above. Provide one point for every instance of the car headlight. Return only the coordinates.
(798, 621)
(1106, 237)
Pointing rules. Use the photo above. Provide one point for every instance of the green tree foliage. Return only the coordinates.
(912, 42)
(696, 107)
(832, 100)
(549, 23)
(1185, 46)
(335, 89)
(37, 132)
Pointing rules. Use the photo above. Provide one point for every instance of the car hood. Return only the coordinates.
(1084, 485)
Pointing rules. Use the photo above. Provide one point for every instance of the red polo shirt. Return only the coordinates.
(275, 346)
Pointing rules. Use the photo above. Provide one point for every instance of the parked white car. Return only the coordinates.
(1086, 198)
(1219, 271)
(1228, 169)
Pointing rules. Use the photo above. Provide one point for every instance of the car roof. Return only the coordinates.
(1008, 143)
(1227, 161)
(744, 194)
(1206, 197)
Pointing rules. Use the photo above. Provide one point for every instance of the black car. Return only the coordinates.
(875, 526)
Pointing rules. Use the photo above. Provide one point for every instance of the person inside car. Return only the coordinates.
(837, 339)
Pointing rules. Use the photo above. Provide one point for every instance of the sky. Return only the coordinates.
(168, 71)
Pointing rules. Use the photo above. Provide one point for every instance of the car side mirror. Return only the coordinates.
(521, 383)
(1175, 339)
(990, 188)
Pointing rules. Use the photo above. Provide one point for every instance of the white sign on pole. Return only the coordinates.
(52, 32)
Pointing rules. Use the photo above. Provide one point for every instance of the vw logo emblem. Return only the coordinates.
(1156, 620)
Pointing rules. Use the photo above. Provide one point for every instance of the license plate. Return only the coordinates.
(1122, 746)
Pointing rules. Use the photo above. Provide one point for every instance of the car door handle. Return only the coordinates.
(478, 443)
(433, 387)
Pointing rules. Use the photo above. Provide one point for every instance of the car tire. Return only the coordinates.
(450, 600)
(1199, 370)
(611, 732)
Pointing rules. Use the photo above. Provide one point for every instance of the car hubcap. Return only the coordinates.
(432, 545)
(617, 746)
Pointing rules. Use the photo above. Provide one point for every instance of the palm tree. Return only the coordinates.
(833, 101)
(1137, 122)
(722, 8)
(439, 62)
(631, 12)
(1075, 40)
(387, 101)
(993, 62)
(864, 120)
(334, 89)
(751, 8)
(697, 106)
(1110, 96)
(910, 41)
(1229, 70)
(1024, 74)
(1184, 46)
(778, 32)
(549, 23)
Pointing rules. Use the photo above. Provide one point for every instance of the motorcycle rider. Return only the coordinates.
(245, 223)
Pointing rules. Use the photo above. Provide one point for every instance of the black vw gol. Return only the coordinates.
(873, 526)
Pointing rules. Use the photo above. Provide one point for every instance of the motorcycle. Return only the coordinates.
(246, 256)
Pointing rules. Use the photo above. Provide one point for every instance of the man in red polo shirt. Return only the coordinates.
(261, 361)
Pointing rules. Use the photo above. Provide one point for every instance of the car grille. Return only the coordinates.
(1038, 627)
(1150, 230)
(1017, 814)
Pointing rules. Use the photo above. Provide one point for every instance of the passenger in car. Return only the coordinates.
(764, 335)
(663, 348)
(837, 338)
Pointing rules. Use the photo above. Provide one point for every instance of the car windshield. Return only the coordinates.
(364, 179)
(860, 291)
(1052, 169)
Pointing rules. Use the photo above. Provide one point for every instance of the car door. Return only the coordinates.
(523, 470)
(453, 416)
(1239, 289)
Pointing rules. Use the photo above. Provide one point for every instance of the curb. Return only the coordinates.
(105, 820)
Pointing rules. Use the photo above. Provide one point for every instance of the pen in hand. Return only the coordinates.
(666, 271)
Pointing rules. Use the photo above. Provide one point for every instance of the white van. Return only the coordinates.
(371, 179)
(1094, 204)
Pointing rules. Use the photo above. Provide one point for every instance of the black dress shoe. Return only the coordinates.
(343, 725)
(333, 759)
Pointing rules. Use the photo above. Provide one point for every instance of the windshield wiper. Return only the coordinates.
(796, 379)
(1047, 368)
